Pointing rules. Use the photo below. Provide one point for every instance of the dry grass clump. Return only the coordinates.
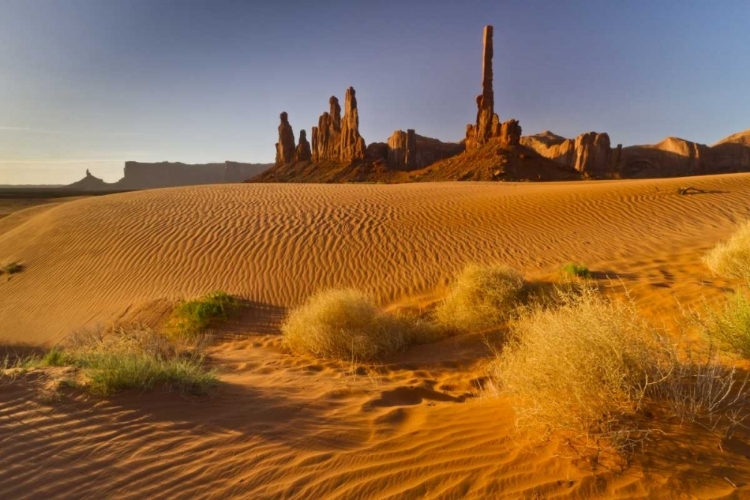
(191, 318)
(582, 367)
(132, 358)
(730, 326)
(344, 324)
(481, 297)
(592, 367)
(698, 388)
(732, 257)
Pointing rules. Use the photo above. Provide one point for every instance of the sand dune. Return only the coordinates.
(91, 259)
(282, 426)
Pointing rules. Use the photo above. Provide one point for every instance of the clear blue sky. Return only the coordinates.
(92, 83)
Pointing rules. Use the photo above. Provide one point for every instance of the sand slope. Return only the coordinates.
(281, 426)
(90, 259)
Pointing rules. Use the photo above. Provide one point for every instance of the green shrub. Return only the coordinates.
(132, 358)
(578, 270)
(12, 268)
(732, 258)
(344, 324)
(191, 318)
(481, 297)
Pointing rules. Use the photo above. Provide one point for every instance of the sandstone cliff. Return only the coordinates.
(592, 155)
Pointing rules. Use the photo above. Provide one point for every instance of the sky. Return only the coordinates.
(93, 83)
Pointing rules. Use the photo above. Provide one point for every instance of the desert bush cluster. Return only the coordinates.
(572, 360)
(132, 357)
(122, 357)
(347, 324)
(592, 368)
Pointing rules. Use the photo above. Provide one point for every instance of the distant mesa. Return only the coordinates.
(139, 175)
(491, 150)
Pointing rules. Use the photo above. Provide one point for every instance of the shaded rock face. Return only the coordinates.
(671, 157)
(402, 150)
(285, 148)
(303, 152)
(593, 153)
(510, 132)
(488, 125)
(377, 151)
(410, 151)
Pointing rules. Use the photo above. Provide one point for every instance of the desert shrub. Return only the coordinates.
(191, 318)
(730, 325)
(698, 388)
(132, 358)
(591, 366)
(481, 297)
(582, 367)
(578, 270)
(12, 268)
(344, 324)
(732, 257)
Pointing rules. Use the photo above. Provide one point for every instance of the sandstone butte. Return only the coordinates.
(491, 149)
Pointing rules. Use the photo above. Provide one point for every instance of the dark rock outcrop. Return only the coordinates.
(285, 148)
(510, 132)
(402, 150)
(303, 152)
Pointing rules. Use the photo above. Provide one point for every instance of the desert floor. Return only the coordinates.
(283, 426)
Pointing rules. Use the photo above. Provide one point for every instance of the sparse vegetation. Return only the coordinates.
(730, 326)
(191, 318)
(699, 389)
(344, 324)
(732, 258)
(582, 367)
(577, 270)
(132, 358)
(481, 297)
(12, 268)
(592, 367)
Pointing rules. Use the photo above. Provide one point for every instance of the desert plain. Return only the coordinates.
(418, 424)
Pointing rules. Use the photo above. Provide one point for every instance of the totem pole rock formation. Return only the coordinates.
(303, 152)
(488, 125)
(336, 138)
(352, 144)
(285, 148)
